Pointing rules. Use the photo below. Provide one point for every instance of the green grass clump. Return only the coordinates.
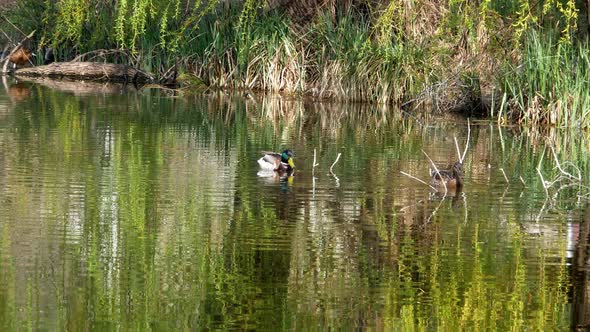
(337, 61)
(550, 84)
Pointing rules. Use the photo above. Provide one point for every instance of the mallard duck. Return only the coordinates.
(278, 162)
(450, 178)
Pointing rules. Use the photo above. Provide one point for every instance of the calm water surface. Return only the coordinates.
(135, 210)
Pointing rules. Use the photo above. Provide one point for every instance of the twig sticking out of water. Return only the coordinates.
(331, 172)
(314, 159)
(505, 177)
(459, 155)
(458, 151)
(522, 181)
(437, 171)
(337, 158)
(415, 178)
(466, 143)
(313, 172)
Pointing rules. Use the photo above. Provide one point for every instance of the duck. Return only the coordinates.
(278, 162)
(21, 57)
(452, 179)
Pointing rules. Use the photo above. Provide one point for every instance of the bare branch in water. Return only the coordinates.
(522, 181)
(314, 159)
(337, 158)
(415, 178)
(466, 143)
(505, 177)
(578, 178)
(437, 172)
(458, 151)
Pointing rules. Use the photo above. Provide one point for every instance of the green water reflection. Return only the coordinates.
(139, 210)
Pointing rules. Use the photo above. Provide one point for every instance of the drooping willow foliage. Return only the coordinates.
(131, 23)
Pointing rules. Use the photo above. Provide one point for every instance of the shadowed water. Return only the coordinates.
(139, 210)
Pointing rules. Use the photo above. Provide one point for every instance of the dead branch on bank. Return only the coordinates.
(102, 53)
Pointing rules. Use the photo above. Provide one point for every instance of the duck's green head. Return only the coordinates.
(287, 157)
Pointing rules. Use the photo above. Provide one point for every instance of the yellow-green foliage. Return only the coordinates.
(568, 10)
(72, 15)
(135, 17)
(120, 24)
(386, 23)
(247, 18)
(524, 20)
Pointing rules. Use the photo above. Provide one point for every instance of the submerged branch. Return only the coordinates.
(578, 178)
(417, 179)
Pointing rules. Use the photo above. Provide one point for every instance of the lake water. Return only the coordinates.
(141, 210)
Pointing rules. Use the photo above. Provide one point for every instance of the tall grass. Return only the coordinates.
(550, 85)
(326, 60)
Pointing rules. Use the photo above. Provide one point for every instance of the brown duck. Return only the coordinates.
(21, 57)
(452, 179)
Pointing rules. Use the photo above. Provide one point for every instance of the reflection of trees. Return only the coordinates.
(143, 210)
(581, 289)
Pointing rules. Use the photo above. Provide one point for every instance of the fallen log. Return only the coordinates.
(81, 88)
(87, 71)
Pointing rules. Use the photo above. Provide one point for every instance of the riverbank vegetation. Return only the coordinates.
(514, 60)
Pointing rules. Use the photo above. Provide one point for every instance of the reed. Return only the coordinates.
(549, 86)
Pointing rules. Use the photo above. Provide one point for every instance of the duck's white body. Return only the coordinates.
(267, 165)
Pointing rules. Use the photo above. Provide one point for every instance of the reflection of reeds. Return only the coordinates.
(281, 111)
